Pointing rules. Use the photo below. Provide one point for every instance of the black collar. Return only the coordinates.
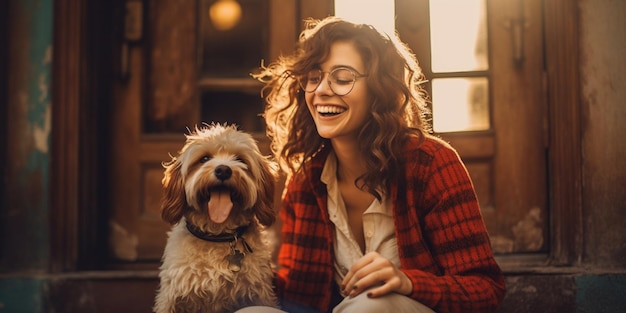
(223, 237)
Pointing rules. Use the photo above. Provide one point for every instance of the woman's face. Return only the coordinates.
(340, 117)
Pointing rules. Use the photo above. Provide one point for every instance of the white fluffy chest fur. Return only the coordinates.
(195, 274)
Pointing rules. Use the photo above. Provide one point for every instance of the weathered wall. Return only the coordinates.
(603, 73)
(25, 212)
(598, 284)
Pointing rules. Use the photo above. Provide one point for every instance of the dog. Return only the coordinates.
(218, 197)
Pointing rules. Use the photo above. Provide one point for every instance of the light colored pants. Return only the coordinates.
(259, 309)
(391, 303)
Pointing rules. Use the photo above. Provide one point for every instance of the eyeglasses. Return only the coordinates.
(341, 80)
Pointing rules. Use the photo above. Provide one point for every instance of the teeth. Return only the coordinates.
(329, 109)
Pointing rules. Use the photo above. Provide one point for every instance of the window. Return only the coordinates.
(486, 100)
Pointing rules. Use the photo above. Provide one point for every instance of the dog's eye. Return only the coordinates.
(205, 159)
(240, 159)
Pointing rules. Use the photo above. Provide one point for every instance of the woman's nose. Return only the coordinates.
(324, 87)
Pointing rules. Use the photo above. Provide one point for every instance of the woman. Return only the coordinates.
(378, 215)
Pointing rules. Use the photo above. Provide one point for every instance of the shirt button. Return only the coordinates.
(369, 234)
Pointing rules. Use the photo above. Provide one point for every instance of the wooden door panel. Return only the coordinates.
(151, 229)
(518, 118)
(153, 103)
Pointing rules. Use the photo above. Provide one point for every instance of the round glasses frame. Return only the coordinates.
(341, 80)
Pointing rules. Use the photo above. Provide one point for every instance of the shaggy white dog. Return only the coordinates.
(219, 194)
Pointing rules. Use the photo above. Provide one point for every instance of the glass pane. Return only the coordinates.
(458, 31)
(460, 104)
(233, 37)
(379, 13)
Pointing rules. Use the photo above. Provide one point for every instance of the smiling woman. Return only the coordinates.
(367, 184)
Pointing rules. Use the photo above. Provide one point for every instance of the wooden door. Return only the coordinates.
(504, 146)
(179, 69)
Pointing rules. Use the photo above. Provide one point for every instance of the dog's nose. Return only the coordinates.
(223, 172)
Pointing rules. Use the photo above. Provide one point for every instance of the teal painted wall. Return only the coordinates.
(22, 295)
(38, 117)
(24, 238)
(24, 217)
(601, 293)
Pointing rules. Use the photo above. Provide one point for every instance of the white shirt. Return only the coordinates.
(378, 226)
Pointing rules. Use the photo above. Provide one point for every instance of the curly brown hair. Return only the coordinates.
(398, 107)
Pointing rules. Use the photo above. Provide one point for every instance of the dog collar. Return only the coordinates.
(223, 237)
(236, 256)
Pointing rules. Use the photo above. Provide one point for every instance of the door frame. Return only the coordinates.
(561, 20)
(80, 83)
(78, 227)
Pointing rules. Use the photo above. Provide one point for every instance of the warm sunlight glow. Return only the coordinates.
(458, 35)
(460, 104)
(379, 13)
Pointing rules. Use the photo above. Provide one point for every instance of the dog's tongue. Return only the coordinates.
(219, 206)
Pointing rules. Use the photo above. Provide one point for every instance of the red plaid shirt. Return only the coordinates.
(443, 245)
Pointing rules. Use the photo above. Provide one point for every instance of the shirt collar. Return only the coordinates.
(329, 177)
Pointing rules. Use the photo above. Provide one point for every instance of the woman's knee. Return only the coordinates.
(259, 309)
(391, 303)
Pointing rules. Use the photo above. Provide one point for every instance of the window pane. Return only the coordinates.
(460, 104)
(458, 30)
(379, 13)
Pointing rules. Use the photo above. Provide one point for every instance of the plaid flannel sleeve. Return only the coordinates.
(305, 271)
(464, 276)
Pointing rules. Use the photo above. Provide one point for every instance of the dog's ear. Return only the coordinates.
(265, 212)
(173, 203)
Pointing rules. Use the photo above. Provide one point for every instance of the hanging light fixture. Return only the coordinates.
(225, 14)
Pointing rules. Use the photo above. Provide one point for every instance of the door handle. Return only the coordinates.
(133, 32)
(516, 25)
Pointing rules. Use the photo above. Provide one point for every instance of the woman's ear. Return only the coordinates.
(174, 199)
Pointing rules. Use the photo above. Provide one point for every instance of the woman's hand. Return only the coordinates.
(375, 272)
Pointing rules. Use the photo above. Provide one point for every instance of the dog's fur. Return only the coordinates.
(195, 274)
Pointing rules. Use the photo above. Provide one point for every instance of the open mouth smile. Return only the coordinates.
(219, 202)
(329, 110)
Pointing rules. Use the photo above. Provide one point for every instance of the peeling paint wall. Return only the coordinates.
(14, 291)
(539, 293)
(603, 74)
(28, 137)
(601, 293)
